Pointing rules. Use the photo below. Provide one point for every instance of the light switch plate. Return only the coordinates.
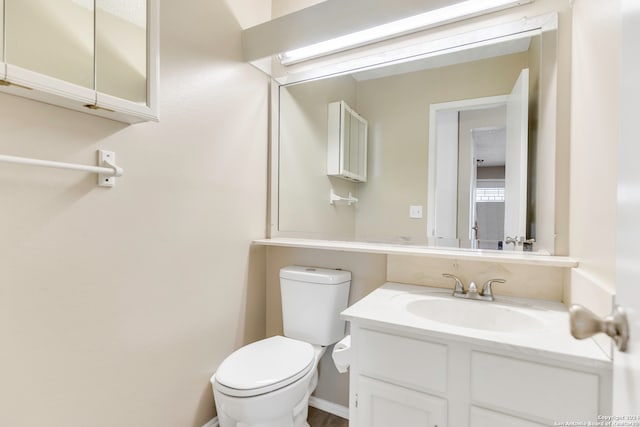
(415, 211)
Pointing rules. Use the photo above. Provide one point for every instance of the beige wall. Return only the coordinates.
(117, 305)
(304, 185)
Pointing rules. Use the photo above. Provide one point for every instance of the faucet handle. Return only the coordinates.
(486, 288)
(459, 287)
(473, 288)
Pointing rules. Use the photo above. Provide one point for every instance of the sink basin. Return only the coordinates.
(474, 315)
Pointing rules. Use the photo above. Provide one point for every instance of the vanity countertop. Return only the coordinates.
(545, 330)
(511, 257)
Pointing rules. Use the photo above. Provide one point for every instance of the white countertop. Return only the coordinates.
(512, 257)
(387, 307)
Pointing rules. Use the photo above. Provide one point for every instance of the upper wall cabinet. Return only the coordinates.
(99, 57)
(2, 66)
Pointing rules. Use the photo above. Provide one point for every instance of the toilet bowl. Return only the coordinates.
(268, 383)
(274, 396)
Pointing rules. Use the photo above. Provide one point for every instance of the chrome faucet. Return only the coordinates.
(518, 240)
(486, 294)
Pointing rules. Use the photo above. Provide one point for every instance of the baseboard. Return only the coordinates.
(212, 423)
(330, 407)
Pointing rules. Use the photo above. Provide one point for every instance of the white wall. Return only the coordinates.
(594, 136)
(117, 305)
(284, 7)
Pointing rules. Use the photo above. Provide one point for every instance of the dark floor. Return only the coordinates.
(318, 418)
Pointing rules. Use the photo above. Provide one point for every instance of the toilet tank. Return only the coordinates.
(312, 299)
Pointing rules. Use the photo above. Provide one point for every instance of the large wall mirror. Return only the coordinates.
(461, 146)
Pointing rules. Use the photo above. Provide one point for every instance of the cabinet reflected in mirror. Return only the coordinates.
(52, 37)
(347, 143)
(121, 49)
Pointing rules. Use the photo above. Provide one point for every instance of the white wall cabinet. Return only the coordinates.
(416, 380)
(347, 143)
(2, 63)
(96, 57)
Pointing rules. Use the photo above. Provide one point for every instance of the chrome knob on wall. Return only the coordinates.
(585, 324)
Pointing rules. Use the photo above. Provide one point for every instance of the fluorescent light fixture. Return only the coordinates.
(444, 15)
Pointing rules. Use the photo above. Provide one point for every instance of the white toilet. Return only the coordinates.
(268, 383)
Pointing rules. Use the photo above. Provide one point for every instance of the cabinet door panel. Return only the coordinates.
(479, 417)
(532, 389)
(51, 37)
(418, 364)
(121, 49)
(382, 404)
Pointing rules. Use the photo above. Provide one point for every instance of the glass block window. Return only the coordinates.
(490, 194)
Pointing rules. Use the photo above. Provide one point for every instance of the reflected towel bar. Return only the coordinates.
(333, 197)
(107, 170)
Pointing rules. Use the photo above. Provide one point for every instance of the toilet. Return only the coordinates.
(268, 383)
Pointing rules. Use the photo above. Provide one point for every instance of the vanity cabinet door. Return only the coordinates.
(479, 417)
(380, 404)
(53, 38)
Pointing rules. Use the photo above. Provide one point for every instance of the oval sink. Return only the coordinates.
(473, 315)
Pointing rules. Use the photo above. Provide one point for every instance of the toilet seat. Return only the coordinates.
(264, 366)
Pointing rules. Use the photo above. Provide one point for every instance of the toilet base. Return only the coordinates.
(286, 407)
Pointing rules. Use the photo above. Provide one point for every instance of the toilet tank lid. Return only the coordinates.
(323, 276)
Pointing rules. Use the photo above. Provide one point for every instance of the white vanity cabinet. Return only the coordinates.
(412, 372)
(421, 381)
(96, 57)
(347, 143)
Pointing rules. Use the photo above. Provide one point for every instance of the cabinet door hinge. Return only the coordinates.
(6, 83)
(96, 107)
(356, 398)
